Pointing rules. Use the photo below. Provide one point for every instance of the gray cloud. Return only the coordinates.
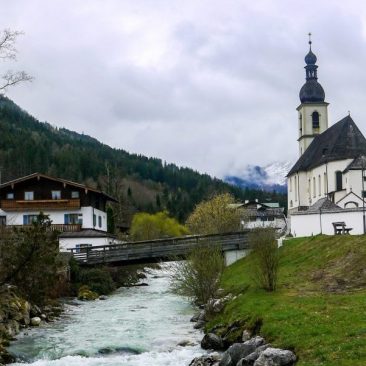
(208, 84)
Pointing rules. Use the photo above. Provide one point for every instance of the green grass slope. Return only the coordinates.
(319, 309)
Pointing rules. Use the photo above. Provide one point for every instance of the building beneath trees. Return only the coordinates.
(78, 212)
(326, 185)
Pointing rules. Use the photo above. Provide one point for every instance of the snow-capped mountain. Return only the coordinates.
(270, 177)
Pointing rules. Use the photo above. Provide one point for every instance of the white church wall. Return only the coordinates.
(354, 182)
(305, 225)
(306, 111)
(351, 200)
(314, 224)
(333, 167)
(325, 182)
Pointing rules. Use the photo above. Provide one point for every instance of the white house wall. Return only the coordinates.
(69, 243)
(314, 224)
(57, 217)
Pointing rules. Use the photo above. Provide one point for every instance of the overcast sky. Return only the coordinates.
(212, 85)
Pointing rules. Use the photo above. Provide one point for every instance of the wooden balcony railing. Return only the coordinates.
(39, 205)
(53, 227)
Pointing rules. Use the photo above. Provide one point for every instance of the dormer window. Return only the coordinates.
(315, 120)
(56, 195)
(28, 196)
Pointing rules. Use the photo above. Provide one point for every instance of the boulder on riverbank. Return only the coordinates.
(212, 341)
(209, 360)
(36, 321)
(253, 352)
(276, 357)
(17, 313)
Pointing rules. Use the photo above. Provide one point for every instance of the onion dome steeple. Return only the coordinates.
(311, 91)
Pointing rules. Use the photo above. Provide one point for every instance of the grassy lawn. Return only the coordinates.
(319, 309)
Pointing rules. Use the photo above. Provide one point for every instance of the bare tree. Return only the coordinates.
(266, 258)
(8, 51)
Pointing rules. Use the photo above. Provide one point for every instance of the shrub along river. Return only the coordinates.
(134, 326)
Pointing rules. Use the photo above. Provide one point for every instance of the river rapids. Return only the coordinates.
(134, 326)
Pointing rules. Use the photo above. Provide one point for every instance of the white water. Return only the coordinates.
(134, 326)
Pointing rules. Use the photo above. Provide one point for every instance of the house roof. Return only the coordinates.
(64, 181)
(341, 141)
(88, 233)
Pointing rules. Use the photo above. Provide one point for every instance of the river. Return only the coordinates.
(134, 326)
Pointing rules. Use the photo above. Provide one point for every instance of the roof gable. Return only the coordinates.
(341, 141)
(65, 182)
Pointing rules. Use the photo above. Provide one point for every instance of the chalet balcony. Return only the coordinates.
(53, 227)
(40, 205)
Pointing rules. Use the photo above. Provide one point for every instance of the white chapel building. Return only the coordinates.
(327, 184)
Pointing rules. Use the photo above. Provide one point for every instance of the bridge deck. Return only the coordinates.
(157, 249)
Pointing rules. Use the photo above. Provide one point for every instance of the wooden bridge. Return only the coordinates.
(160, 249)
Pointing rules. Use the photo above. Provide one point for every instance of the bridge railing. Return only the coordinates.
(159, 248)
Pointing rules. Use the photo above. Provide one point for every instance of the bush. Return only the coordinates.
(199, 276)
(217, 215)
(154, 226)
(86, 294)
(97, 280)
(266, 261)
(29, 259)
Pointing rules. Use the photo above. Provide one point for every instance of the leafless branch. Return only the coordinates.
(12, 78)
(7, 44)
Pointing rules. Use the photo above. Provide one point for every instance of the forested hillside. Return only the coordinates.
(140, 183)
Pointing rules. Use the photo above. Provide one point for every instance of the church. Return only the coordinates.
(326, 185)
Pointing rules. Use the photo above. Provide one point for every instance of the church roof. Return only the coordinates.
(324, 204)
(358, 163)
(341, 141)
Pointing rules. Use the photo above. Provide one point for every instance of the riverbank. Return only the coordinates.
(17, 314)
(318, 310)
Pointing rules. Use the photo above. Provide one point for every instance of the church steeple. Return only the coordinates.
(313, 113)
(312, 91)
(310, 60)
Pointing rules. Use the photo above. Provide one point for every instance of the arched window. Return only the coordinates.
(338, 176)
(300, 123)
(315, 119)
(351, 204)
(325, 184)
(296, 189)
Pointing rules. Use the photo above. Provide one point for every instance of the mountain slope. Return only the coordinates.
(139, 182)
(269, 178)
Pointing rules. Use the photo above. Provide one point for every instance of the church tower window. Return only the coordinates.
(300, 124)
(338, 175)
(315, 120)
